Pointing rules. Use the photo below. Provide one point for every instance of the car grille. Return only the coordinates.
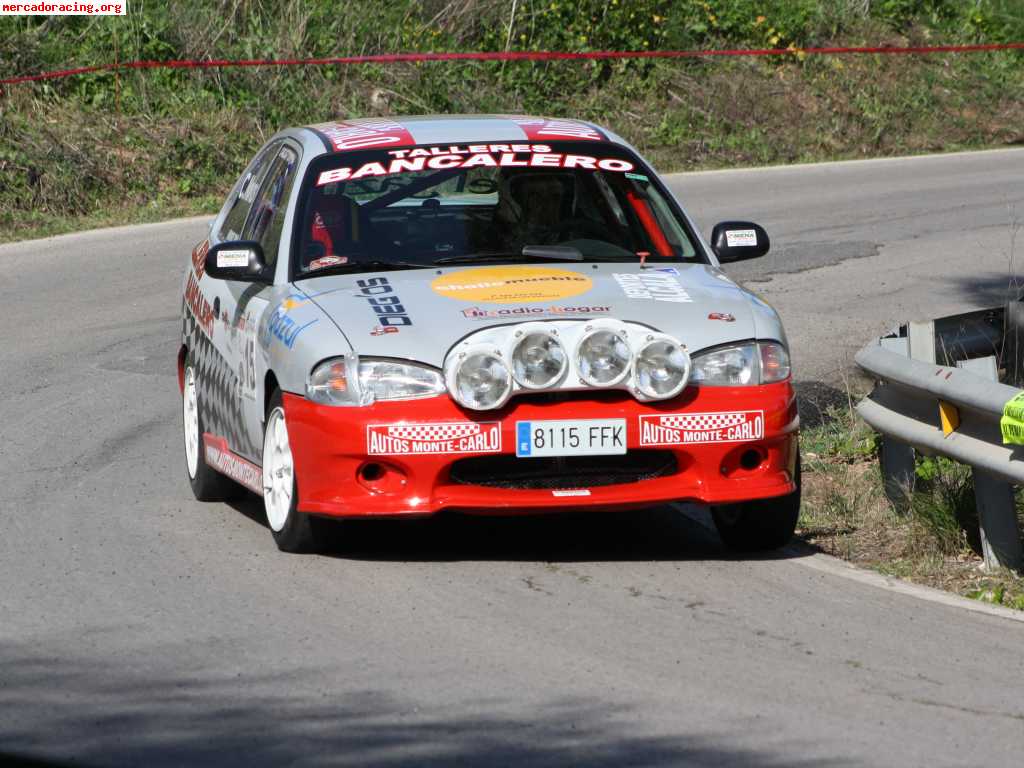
(563, 471)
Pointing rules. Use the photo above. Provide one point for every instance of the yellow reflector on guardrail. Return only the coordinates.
(1012, 422)
(950, 417)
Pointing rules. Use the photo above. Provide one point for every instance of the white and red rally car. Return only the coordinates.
(394, 317)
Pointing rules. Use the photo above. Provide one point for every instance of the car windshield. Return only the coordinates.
(421, 206)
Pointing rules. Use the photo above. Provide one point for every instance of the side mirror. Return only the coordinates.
(241, 260)
(738, 240)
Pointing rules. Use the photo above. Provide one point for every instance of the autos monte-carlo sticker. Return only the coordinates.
(418, 439)
(511, 285)
(688, 428)
(221, 458)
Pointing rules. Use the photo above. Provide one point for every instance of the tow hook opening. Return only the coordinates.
(381, 478)
(751, 459)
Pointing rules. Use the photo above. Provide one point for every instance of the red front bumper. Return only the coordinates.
(338, 476)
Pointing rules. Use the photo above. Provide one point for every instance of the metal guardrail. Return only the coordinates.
(948, 411)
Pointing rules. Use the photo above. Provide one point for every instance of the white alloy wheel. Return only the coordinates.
(190, 420)
(278, 470)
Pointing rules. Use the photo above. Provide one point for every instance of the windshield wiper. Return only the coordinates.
(555, 252)
(379, 264)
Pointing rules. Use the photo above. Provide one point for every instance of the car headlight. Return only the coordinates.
(763, 362)
(336, 382)
(391, 380)
(538, 360)
(661, 369)
(480, 380)
(603, 357)
(350, 381)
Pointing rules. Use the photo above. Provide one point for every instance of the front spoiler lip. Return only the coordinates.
(330, 447)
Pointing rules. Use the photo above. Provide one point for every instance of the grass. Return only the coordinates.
(105, 148)
(936, 542)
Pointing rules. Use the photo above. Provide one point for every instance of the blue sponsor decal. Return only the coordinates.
(668, 270)
(281, 326)
(285, 329)
(523, 444)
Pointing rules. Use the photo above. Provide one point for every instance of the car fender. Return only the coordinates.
(295, 334)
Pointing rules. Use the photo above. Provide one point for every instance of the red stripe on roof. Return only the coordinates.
(363, 133)
(544, 129)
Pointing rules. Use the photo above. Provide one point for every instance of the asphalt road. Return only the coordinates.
(139, 627)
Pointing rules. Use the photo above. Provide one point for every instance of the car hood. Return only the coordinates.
(420, 314)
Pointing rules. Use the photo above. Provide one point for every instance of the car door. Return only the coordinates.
(242, 304)
(221, 316)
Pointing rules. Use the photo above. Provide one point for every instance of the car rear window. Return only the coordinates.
(421, 204)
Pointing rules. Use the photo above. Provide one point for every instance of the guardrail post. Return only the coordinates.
(994, 498)
(997, 518)
(897, 459)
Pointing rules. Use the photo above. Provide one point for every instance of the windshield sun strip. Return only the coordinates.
(650, 179)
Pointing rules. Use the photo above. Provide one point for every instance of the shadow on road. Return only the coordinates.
(100, 712)
(988, 291)
(657, 533)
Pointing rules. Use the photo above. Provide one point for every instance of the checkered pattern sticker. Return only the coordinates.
(686, 428)
(220, 407)
(416, 439)
(433, 431)
(699, 422)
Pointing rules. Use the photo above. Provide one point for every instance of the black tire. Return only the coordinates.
(758, 526)
(207, 483)
(300, 532)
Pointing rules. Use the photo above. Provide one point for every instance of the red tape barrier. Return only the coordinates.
(391, 58)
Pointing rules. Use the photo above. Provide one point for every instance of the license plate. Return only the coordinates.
(573, 437)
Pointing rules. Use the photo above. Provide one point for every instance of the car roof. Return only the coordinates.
(403, 131)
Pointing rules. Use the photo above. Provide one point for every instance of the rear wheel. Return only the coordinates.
(293, 531)
(207, 484)
(757, 526)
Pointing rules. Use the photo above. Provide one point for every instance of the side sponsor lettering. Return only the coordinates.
(384, 301)
(421, 439)
(219, 456)
(653, 286)
(690, 428)
(198, 305)
(199, 258)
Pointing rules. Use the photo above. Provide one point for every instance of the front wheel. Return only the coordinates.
(293, 531)
(757, 526)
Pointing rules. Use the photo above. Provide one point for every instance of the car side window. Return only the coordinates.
(234, 222)
(266, 218)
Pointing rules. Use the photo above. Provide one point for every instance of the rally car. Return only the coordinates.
(499, 315)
